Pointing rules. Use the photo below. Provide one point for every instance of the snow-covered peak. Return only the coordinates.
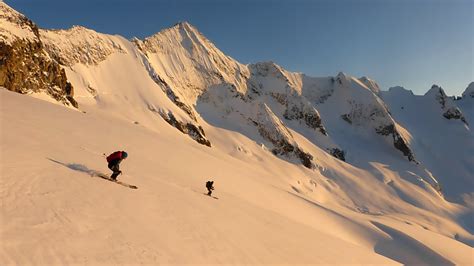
(448, 106)
(469, 92)
(399, 90)
(14, 25)
(371, 84)
(186, 26)
(189, 62)
(79, 45)
(181, 34)
(266, 67)
(9, 13)
(342, 79)
(436, 91)
(271, 77)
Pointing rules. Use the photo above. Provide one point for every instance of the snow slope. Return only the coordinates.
(305, 168)
(54, 212)
(445, 146)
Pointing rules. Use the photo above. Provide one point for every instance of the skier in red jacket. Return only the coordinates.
(114, 161)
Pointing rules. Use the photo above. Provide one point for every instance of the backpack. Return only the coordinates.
(114, 156)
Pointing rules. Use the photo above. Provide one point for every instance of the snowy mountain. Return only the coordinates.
(466, 103)
(441, 136)
(305, 167)
(26, 66)
(79, 45)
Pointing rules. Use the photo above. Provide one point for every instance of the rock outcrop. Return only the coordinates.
(367, 110)
(25, 66)
(195, 132)
(398, 142)
(448, 106)
(274, 131)
(338, 153)
(298, 108)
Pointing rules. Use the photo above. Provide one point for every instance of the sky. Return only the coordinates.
(409, 43)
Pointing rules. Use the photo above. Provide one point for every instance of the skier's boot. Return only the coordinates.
(114, 176)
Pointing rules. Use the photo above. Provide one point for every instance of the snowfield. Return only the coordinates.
(327, 170)
(271, 212)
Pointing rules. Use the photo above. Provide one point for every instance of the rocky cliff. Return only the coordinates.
(25, 66)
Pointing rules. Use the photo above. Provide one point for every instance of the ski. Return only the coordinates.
(103, 176)
(210, 196)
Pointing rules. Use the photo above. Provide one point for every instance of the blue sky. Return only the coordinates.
(412, 43)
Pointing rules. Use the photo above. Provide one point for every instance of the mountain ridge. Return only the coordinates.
(185, 65)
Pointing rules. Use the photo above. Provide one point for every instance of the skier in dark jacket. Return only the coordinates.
(210, 187)
(114, 161)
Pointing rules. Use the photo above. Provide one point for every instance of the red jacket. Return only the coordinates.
(114, 156)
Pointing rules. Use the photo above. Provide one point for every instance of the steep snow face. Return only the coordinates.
(226, 107)
(272, 129)
(344, 99)
(79, 45)
(268, 77)
(190, 63)
(187, 63)
(466, 104)
(469, 92)
(15, 26)
(448, 153)
(194, 69)
(111, 73)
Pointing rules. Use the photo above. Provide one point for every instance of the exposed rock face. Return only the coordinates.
(398, 140)
(378, 117)
(346, 118)
(25, 66)
(273, 130)
(438, 94)
(361, 114)
(302, 110)
(455, 113)
(450, 110)
(195, 132)
(342, 79)
(186, 108)
(338, 153)
(167, 89)
(267, 78)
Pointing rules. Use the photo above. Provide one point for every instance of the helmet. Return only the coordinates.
(124, 155)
